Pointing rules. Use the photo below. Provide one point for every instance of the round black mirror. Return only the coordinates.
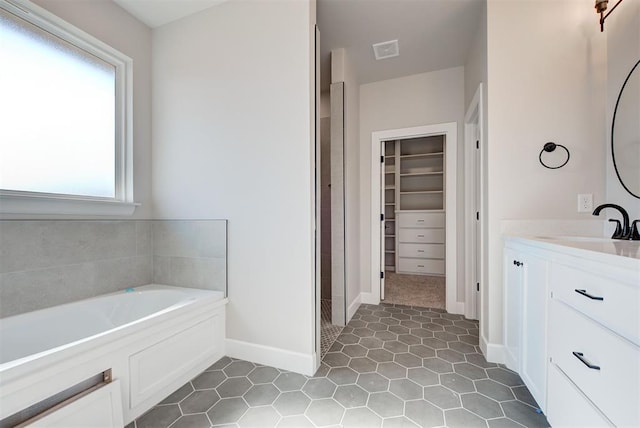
(625, 133)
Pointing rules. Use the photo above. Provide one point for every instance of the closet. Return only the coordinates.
(414, 199)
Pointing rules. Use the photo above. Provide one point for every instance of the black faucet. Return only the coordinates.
(634, 233)
(623, 232)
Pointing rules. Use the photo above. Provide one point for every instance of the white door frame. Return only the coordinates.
(450, 130)
(473, 131)
(317, 205)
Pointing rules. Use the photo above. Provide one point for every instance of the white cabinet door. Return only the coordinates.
(513, 283)
(533, 361)
(525, 286)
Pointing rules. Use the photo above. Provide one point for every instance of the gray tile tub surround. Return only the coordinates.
(45, 263)
(190, 253)
(392, 366)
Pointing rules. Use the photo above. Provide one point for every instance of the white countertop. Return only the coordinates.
(616, 251)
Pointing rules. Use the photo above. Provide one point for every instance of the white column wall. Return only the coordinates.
(342, 70)
(233, 138)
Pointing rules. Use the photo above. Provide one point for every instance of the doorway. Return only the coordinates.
(423, 192)
(412, 203)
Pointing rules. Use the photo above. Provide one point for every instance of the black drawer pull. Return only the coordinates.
(585, 294)
(580, 356)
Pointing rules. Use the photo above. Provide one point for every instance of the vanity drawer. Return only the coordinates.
(430, 251)
(432, 236)
(612, 381)
(613, 304)
(426, 266)
(567, 406)
(421, 219)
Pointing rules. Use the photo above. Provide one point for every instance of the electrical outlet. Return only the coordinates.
(585, 203)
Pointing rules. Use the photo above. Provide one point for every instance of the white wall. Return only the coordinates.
(622, 30)
(342, 70)
(475, 69)
(546, 74)
(111, 24)
(233, 108)
(420, 99)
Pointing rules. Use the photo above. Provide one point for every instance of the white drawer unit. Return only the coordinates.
(421, 219)
(422, 236)
(421, 266)
(421, 240)
(597, 361)
(432, 251)
(568, 407)
(612, 303)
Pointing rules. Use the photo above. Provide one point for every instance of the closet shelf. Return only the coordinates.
(439, 210)
(389, 187)
(421, 192)
(422, 155)
(413, 174)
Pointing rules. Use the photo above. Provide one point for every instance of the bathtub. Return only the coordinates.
(153, 339)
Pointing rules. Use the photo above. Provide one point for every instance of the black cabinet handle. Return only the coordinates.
(517, 263)
(580, 356)
(585, 294)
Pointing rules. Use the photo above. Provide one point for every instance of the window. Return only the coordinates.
(65, 113)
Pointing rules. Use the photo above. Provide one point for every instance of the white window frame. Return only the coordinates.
(18, 202)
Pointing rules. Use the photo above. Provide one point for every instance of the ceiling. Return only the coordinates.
(155, 13)
(432, 34)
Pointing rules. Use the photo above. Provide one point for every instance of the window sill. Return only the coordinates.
(22, 204)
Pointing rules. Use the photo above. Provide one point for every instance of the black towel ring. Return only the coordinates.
(549, 147)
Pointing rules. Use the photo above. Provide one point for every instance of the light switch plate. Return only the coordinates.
(585, 203)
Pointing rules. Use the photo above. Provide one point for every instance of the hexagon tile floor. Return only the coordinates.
(392, 366)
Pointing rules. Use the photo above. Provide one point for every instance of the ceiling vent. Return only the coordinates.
(386, 50)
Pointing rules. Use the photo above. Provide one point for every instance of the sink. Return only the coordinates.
(576, 238)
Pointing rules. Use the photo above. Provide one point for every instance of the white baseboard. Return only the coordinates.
(369, 298)
(493, 352)
(456, 308)
(353, 307)
(274, 357)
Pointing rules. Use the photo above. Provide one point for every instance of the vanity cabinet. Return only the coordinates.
(572, 329)
(526, 285)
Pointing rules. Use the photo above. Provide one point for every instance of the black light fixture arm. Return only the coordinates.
(601, 6)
